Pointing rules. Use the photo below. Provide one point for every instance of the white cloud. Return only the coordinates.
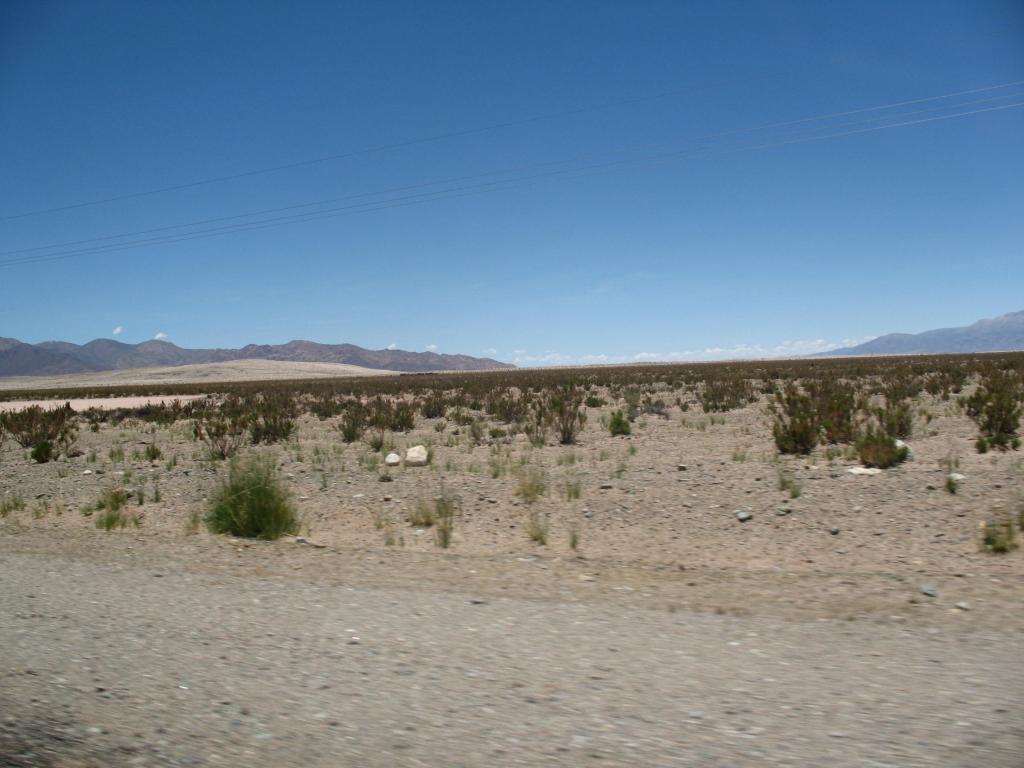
(431, 347)
(489, 351)
(392, 345)
(117, 331)
(160, 336)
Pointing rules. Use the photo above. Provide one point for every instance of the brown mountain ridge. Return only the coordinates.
(53, 358)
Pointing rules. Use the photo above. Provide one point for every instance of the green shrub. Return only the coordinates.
(35, 425)
(796, 426)
(567, 413)
(877, 448)
(116, 518)
(531, 485)
(996, 408)
(252, 502)
(998, 536)
(112, 499)
(353, 422)
(835, 402)
(221, 428)
(43, 452)
(11, 503)
(152, 452)
(619, 424)
(726, 394)
(271, 428)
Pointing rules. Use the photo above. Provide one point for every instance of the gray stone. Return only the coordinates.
(743, 516)
(392, 460)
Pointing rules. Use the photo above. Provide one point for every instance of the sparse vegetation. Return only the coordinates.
(252, 502)
(998, 536)
(996, 408)
(796, 424)
(619, 424)
(877, 448)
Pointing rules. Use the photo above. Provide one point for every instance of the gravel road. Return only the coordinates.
(109, 664)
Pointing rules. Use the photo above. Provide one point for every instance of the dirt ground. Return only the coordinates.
(877, 568)
(235, 370)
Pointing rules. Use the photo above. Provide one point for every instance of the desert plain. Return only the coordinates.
(681, 595)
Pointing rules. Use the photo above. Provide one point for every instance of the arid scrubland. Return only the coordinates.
(685, 565)
(734, 465)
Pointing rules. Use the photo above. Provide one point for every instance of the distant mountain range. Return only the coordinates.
(998, 334)
(55, 358)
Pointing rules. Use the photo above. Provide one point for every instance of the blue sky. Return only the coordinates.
(618, 183)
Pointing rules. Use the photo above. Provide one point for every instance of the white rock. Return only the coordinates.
(416, 456)
(864, 470)
(392, 460)
(956, 477)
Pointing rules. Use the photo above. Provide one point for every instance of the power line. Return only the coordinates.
(500, 185)
(472, 131)
(358, 152)
(517, 169)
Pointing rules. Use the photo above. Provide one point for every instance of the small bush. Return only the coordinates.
(877, 448)
(531, 485)
(998, 536)
(152, 452)
(996, 408)
(619, 424)
(43, 452)
(353, 423)
(252, 502)
(112, 499)
(567, 413)
(796, 426)
(116, 518)
(222, 433)
(34, 425)
(10, 504)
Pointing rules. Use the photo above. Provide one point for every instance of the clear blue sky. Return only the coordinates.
(645, 212)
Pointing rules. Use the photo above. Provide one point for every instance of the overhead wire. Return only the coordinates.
(498, 185)
(517, 169)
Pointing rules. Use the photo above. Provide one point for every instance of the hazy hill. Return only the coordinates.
(61, 357)
(998, 334)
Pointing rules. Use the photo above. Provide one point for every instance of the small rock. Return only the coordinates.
(87, 472)
(605, 486)
(956, 477)
(963, 606)
(392, 460)
(681, 467)
(864, 471)
(834, 531)
(743, 516)
(928, 591)
(782, 512)
(416, 456)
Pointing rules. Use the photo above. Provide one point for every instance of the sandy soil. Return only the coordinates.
(99, 403)
(236, 370)
(877, 632)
